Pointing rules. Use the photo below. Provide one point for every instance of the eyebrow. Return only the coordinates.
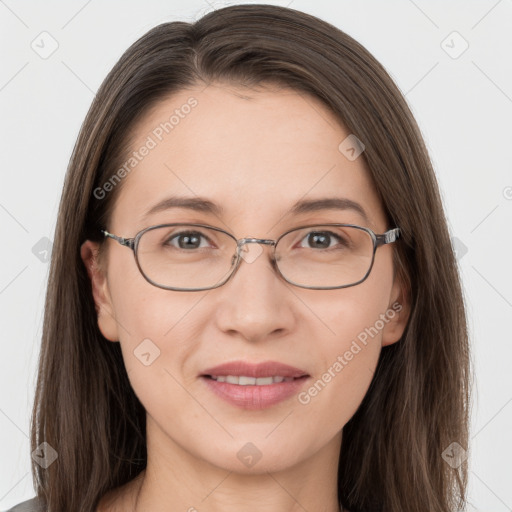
(204, 205)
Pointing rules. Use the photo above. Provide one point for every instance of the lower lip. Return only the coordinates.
(255, 397)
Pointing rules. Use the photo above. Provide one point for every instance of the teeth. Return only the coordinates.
(251, 381)
(243, 380)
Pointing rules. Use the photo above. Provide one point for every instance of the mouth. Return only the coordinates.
(254, 386)
(245, 380)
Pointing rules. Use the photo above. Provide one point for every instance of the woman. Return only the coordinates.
(253, 302)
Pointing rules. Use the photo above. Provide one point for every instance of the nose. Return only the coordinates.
(255, 301)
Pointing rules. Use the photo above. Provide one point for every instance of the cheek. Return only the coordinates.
(354, 315)
(142, 309)
(353, 346)
(160, 332)
(155, 326)
(349, 345)
(157, 342)
(348, 361)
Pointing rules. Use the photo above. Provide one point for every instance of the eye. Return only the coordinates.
(322, 240)
(187, 240)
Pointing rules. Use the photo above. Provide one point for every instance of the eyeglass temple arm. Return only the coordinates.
(128, 242)
(388, 237)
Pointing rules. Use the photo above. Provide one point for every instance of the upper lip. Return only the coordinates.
(263, 369)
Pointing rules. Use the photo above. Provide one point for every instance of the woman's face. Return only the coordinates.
(254, 158)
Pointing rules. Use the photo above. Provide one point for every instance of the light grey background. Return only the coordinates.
(463, 104)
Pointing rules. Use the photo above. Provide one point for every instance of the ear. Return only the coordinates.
(397, 314)
(101, 294)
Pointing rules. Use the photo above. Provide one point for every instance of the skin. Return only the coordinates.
(255, 156)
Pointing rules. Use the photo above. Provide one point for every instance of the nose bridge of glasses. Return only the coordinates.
(250, 257)
(264, 241)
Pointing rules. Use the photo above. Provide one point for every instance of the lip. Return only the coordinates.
(253, 397)
(263, 369)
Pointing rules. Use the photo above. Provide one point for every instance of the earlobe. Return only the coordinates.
(397, 314)
(100, 290)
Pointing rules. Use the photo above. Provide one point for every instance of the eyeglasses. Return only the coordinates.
(194, 257)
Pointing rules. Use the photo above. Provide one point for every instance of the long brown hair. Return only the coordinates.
(418, 402)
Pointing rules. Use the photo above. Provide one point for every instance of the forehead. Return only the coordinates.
(254, 152)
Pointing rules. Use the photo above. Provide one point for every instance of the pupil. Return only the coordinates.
(188, 238)
(323, 239)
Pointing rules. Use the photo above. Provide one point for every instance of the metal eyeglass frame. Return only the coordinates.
(388, 237)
